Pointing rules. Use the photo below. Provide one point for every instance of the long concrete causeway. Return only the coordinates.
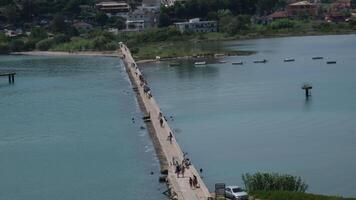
(169, 150)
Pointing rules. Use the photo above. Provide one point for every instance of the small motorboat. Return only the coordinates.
(174, 64)
(200, 63)
(238, 63)
(289, 60)
(331, 62)
(318, 58)
(260, 61)
(222, 61)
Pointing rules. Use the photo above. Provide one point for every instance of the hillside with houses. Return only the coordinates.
(86, 25)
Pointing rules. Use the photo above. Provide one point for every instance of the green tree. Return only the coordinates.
(44, 45)
(282, 24)
(3, 38)
(265, 7)
(11, 13)
(16, 45)
(4, 48)
(59, 25)
(100, 43)
(38, 33)
(234, 24)
(101, 18)
(164, 20)
(61, 38)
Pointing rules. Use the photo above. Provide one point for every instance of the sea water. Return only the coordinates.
(235, 119)
(66, 132)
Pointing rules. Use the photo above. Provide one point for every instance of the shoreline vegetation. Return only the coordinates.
(288, 195)
(177, 50)
(275, 186)
(64, 53)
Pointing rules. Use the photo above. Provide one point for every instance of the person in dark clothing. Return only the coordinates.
(161, 122)
(195, 181)
(170, 137)
(177, 170)
(190, 182)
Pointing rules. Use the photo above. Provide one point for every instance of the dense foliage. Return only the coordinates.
(209, 9)
(286, 195)
(273, 182)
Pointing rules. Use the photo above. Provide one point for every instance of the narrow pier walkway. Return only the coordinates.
(171, 150)
(11, 76)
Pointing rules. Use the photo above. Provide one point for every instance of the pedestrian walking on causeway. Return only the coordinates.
(195, 181)
(170, 137)
(182, 170)
(191, 182)
(177, 170)
(161, 122)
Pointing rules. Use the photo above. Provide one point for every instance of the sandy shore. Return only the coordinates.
(62, 53)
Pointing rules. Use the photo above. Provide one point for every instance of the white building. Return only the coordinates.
(195, 25)
(135, 25)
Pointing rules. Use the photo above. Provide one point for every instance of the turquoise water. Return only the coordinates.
(66, 132)
(234, 119)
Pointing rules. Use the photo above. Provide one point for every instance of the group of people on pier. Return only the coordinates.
(180, 168)
(193, 182)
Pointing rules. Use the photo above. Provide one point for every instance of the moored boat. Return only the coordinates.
(200, 63)
(331, 62)
(174, 64)
(238, 63)
(318, 58)
(289, 60)
(260, 61)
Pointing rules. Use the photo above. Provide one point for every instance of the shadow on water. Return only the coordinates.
(308, 102)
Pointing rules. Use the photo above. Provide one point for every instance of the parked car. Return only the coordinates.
(235, 193)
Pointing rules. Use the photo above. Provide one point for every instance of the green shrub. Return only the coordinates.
(273, 182)
(100, 42)
(30, 44)
(76, 44)
(16, 45)
(4, 48)
(111, 46)
(61, 38)
(134, 50)
(45, 44)
(282, 24)
(286, 195)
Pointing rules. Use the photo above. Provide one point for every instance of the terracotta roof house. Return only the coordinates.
(277, 15)
(302, 8)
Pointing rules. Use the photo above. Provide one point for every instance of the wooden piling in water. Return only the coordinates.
(10, 75)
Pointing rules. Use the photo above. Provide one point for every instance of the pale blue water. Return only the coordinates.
(66, 132)
(234, 119)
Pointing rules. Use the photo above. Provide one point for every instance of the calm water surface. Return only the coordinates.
(66, 132)
(234, 119)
